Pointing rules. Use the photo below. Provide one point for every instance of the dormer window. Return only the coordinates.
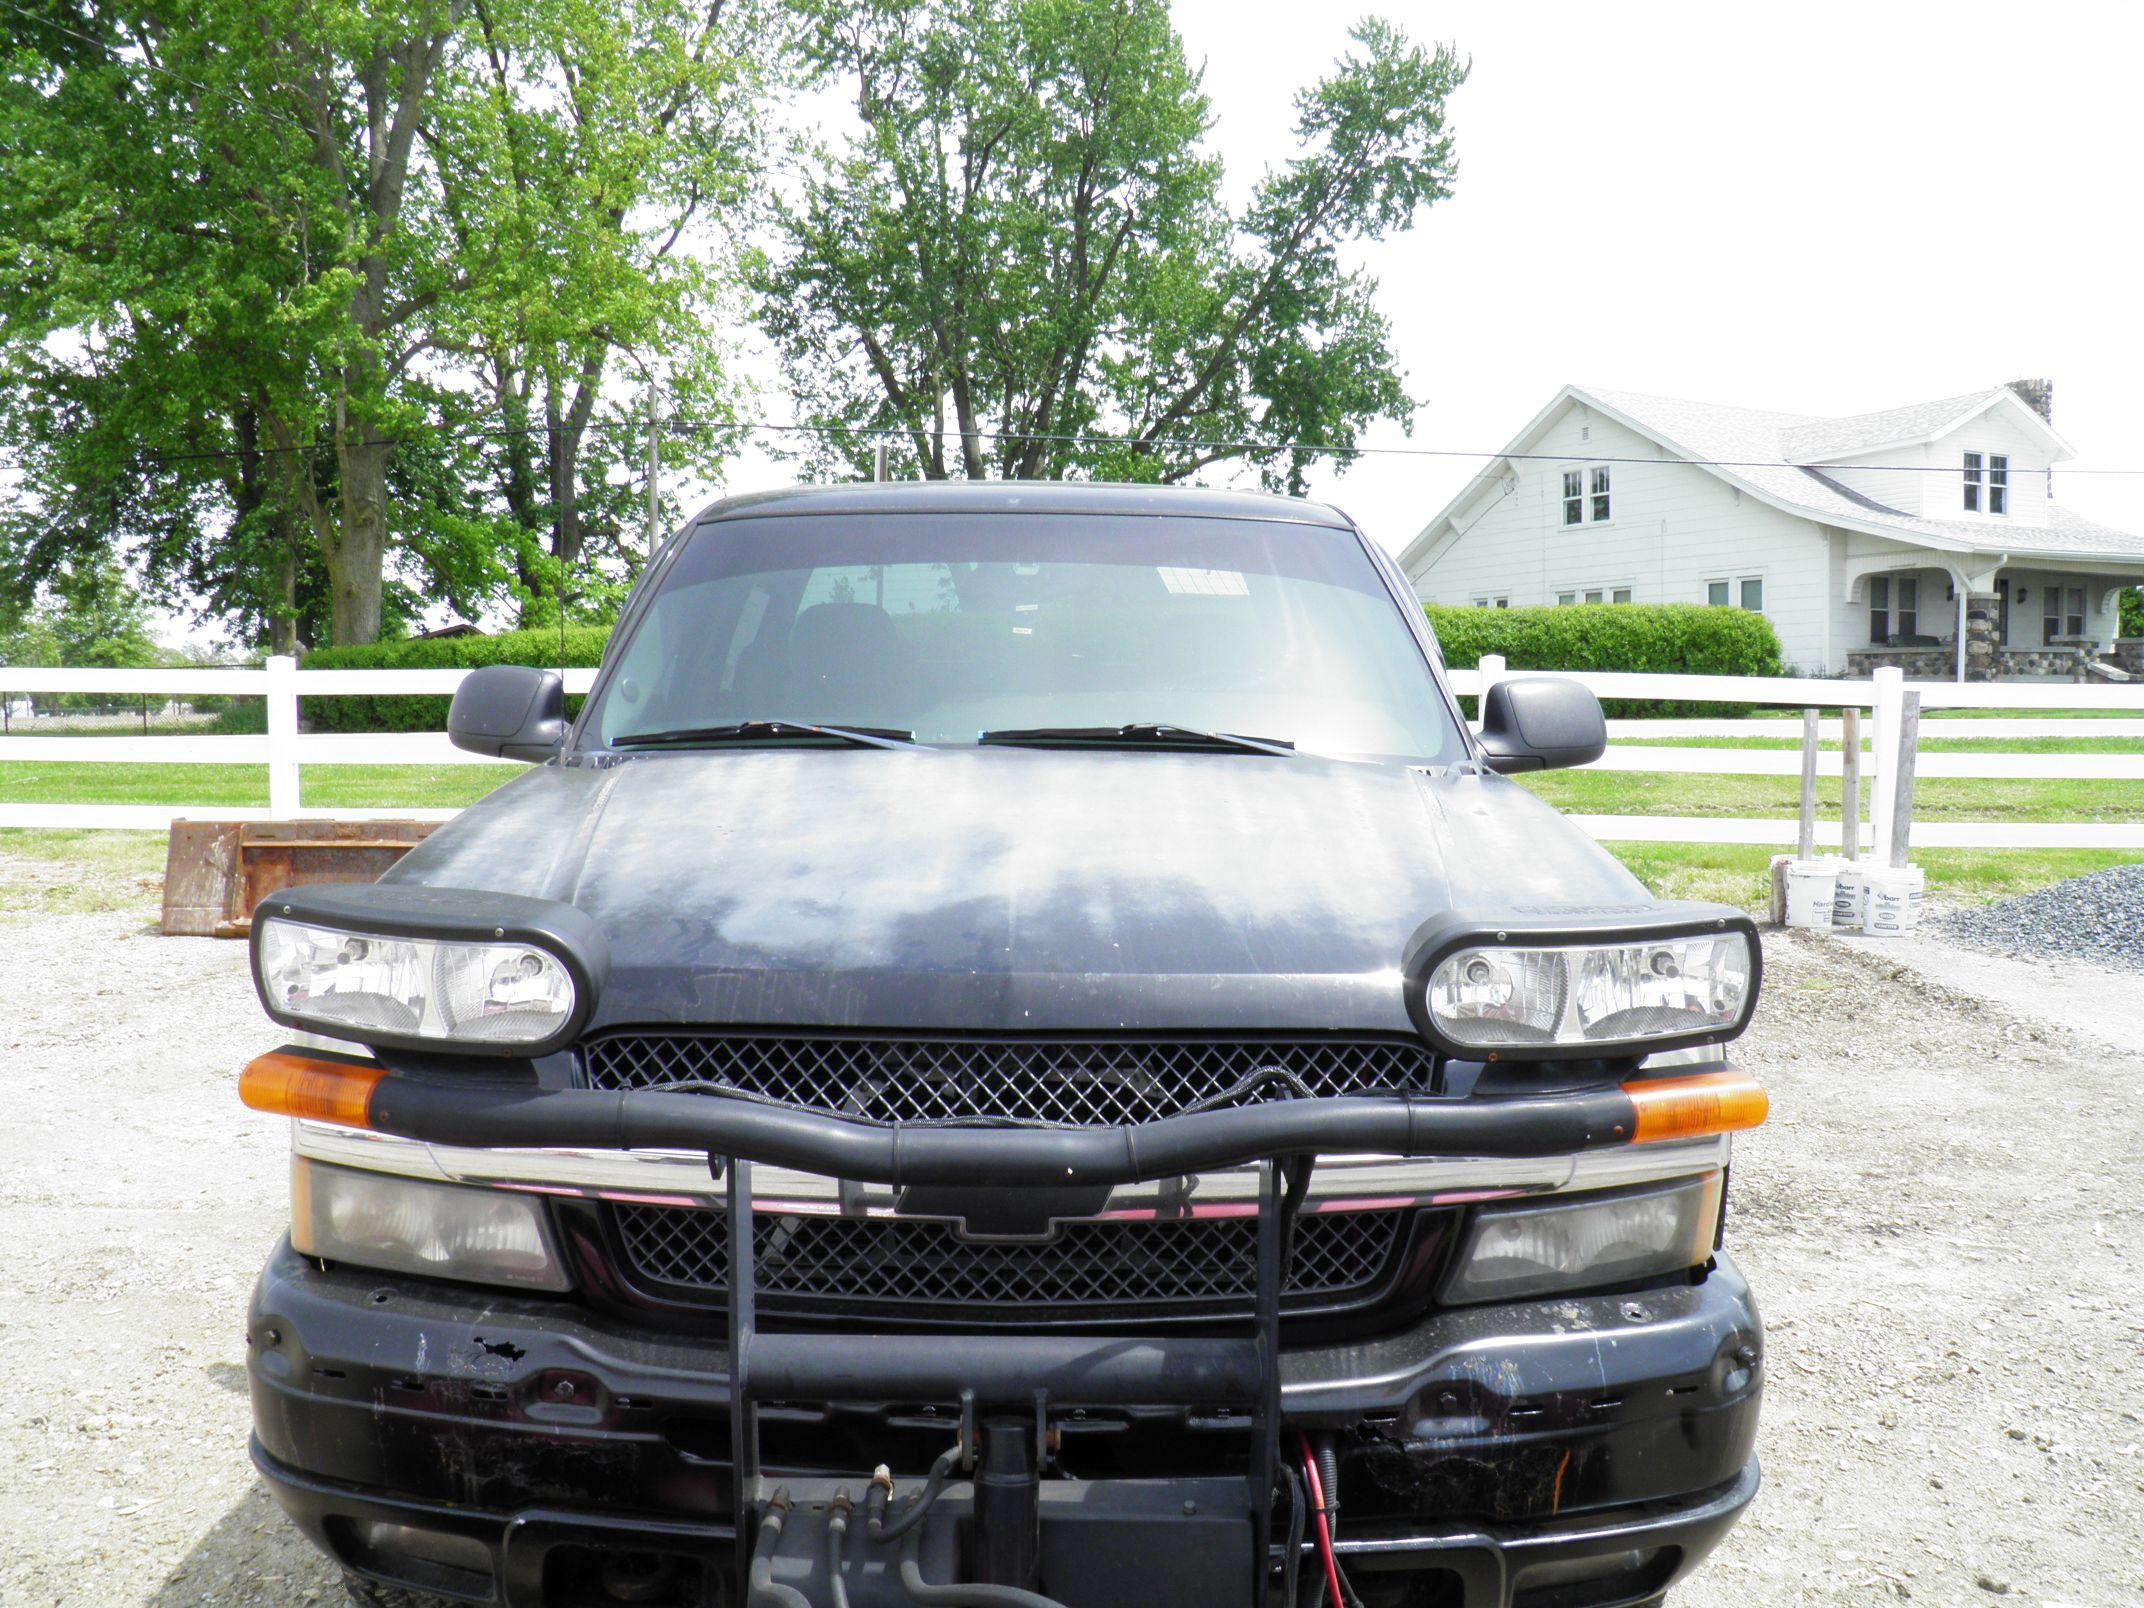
(1991, 473)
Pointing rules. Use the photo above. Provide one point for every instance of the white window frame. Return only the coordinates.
(1879, 609)
(1596, 594)
(1998, 484)
(1492, 600)
(1574, 502)
(1734, 585)
(1600, 495)
(1972, 464)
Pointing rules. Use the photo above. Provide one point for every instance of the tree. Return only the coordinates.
(276, 263)
(1026, 244)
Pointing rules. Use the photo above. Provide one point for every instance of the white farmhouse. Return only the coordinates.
(1926, 536)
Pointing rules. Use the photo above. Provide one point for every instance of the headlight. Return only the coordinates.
(1542, 994)
(403, 1225)
(1516, 1253)
(365, 984)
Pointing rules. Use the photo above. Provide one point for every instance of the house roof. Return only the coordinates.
(1779, 457)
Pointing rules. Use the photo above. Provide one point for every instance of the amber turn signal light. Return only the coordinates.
(287, 1084)
(1697, 1106)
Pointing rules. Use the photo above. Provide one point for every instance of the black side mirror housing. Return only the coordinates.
(1541, 723)
(509, 711)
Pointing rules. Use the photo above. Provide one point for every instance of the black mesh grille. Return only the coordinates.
(1096, 1265)
(1084, 1082)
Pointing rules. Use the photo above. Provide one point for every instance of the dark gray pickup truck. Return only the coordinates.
(1016, 1051)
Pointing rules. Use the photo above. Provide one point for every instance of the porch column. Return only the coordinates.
(1983, 650)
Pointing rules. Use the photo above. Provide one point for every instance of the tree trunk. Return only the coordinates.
(357, 560)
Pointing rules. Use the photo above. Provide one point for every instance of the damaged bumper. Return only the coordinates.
(529, 1451)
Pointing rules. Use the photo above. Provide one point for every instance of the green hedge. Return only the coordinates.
(1663, 638)
(583, 648)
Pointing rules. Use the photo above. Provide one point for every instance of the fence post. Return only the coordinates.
(1909, 742)
(1883, 759)
(1491, 669)
(1805, 841)
(1850, 784)
(282, 736)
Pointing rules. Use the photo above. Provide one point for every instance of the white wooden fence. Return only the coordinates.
(285, 751)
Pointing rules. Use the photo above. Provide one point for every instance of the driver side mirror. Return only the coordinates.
(509, 711)
(1541, 723)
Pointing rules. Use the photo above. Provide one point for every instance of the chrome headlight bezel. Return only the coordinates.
(448, 917)
(1573, 932)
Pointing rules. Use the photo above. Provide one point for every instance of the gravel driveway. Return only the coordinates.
(1942, 1222)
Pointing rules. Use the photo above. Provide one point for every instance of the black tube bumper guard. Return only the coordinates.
(1222, 1530)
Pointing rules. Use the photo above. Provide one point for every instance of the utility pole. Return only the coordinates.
(655, 463)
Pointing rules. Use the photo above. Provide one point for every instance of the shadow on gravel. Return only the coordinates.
(253, 1557)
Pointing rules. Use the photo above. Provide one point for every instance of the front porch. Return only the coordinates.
(2015, 623)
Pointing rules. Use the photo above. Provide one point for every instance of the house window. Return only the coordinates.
(2076, 615)
(1594, 596)
(1998, 484)
(2050, 613)
(1492, 602)
(1565, 599)
(1600, 493)
(1879, 609)
(1620, 595)
(1972, 482)
(1748, 590)
(1574, 496)
(1909, 605)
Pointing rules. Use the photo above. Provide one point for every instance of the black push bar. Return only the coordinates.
(488, 1115)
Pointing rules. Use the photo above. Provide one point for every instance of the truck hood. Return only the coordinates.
(1014, 890)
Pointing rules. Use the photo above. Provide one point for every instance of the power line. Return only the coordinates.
(117, 60)
(679, 426)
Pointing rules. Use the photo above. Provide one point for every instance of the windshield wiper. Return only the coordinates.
(768, 731)
(1140, 734)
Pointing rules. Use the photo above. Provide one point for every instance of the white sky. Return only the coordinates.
(1819, 208)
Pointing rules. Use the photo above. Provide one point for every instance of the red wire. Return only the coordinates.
(1325, 1535)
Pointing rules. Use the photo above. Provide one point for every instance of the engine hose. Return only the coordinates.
(971, 1595)
(762, 1590)
(881, 1528)
(837, 1527)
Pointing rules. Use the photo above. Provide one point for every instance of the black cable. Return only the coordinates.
(1292, 1561)
(880, 1528)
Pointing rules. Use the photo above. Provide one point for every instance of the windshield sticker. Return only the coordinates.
(1204, 582)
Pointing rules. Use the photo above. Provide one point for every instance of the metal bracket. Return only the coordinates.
(1274, 1208)
(744, 1416)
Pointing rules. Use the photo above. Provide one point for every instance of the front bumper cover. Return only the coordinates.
(1535, 1444)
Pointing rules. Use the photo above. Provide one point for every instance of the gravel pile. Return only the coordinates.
(2096, 917)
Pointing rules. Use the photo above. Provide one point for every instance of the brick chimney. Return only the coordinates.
(2038, 395)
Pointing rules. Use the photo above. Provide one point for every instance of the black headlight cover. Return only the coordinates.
(1569, 926)
(444, 915)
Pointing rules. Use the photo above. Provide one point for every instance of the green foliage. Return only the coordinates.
(1668, 638)
(1027, 242)
(2131, 604)
(582, 647)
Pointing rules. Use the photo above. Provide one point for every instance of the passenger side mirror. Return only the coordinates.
(1541, 723)
(509, 711)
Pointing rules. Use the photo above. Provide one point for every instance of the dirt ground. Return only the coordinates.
(1942, 1222)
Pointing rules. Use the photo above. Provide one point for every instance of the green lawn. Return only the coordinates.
(381, 787)
(1935, 798)
(1930, 745)
(1735, 873)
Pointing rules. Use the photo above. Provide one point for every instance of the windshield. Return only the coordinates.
(947, 626)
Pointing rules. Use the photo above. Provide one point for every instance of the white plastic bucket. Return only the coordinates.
(1812, 885)
(1894, 901)
(1853, 890)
